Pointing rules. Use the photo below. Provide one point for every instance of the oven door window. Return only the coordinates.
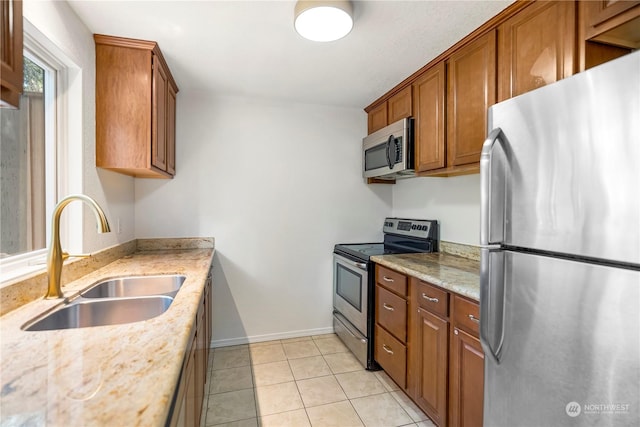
(349, 286)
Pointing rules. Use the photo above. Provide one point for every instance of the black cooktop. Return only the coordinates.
(364, 250)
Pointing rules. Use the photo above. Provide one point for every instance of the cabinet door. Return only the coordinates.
(471, 90)
(159, 118)
(429, 99)
(201, 361)
(536, 47)
(466, 385)
(399, 106)
(602, 10)
(11, 53)
(171, 130)
(431, 345)
(377, 118)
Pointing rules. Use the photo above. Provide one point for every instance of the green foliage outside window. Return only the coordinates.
(33, 76)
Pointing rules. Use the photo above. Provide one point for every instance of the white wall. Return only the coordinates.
(277, 185)
(454, 201)
(69, 38)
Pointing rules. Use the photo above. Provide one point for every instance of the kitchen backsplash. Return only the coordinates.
(465, 251)
(26, 289)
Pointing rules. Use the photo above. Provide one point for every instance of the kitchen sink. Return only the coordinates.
(134, 286)
(83, 313)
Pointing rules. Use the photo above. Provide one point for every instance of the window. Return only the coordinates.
(25, 149)
(30, 152)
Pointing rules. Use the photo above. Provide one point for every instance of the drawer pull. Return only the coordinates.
(474, 318)
(387, 349)
(386, 279)
(428, 298)
(387, 307)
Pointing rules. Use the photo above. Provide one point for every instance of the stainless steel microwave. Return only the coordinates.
(388, 153)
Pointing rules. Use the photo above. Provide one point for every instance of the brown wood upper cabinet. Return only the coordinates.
(11, 59)
(395, 108)
(536, 47)
(603, 10)
(471, 90)
(135, 108)
(609, 29)
(430, 115)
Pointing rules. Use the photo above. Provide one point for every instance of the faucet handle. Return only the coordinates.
(66, 255)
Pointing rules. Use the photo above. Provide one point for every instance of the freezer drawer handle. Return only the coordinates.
(387, 306)
(387, 349)
(474, 318)
(428, 298)
(386, 279)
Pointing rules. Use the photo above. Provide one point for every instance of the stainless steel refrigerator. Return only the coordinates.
(560, 266)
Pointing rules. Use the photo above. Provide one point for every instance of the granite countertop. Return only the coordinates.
(120, 375)
(451, 272)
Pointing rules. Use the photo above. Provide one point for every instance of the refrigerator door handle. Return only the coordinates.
(492, 196)
(492, 299)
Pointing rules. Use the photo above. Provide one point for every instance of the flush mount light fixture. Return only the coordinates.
(323, 20)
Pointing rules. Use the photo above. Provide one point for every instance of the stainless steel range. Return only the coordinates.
(353, 280)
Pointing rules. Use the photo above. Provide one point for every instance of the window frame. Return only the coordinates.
(58, 124)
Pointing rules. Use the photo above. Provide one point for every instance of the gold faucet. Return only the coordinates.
(56, 257)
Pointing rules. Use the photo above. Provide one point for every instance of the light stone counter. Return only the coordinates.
(451, 272)
(121, 375)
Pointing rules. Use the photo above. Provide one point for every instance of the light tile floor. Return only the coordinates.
(310, 381)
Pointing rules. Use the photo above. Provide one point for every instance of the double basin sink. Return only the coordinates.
(112, 302)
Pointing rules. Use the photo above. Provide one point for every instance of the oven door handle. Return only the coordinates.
(360, 265)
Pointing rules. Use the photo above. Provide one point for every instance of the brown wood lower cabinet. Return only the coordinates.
(391, 354)
(440, 363)
(189, 396)
(466, 381)
(431, 349)
(466, 365)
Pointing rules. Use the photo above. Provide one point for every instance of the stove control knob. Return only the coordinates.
(413, 227)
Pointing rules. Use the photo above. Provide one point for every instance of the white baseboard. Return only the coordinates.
(269, 337)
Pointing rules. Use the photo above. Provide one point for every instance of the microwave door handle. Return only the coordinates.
(389, 142)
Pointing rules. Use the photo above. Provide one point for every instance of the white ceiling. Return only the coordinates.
(250, 48)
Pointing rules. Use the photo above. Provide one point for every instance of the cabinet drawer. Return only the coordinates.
(391, 354)
(391, 313)
(392, 280)
(466, 315)
(431, 298)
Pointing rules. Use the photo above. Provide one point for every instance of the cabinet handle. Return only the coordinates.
(386, 279)
(387, 307)
(474, 319)
(387, 349)
(428, 298)
(455, 331)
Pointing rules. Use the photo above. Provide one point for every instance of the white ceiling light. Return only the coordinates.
(323, 20)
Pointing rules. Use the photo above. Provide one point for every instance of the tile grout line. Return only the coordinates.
(288, 359)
